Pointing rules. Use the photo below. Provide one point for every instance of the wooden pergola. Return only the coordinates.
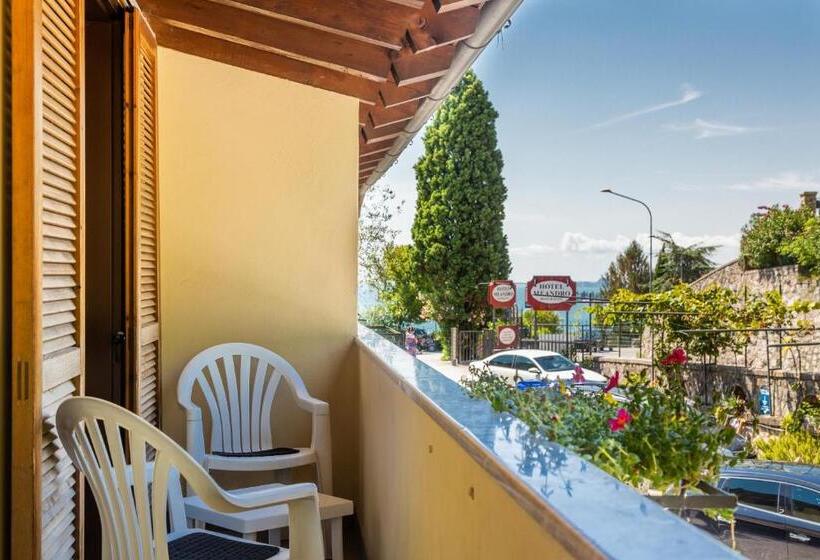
(389, 54)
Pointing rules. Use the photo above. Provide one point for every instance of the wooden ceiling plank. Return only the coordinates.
(367, 149)
(439, 30)
(264, 62)
(370, 21)
(409, 68)
(443, 6)
(275, 36)
(374, 135)
(379, 117)
(392, 95)
(373, 158)
(416, 4)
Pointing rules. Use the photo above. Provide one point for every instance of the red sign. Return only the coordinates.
(551, 293)
(507, 336)
(501, 294)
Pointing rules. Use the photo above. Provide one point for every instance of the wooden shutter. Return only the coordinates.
(141, 145)
(47, 271)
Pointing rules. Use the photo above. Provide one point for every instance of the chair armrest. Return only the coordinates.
(314, 406)
(272, 496)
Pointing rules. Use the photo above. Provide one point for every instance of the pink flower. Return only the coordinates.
(613, 381)
(677, 357)
(578, 375)
(620, 421)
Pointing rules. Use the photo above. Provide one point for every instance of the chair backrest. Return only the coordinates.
(240, 402)
(109, 445)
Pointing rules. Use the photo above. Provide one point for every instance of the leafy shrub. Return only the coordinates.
(656, 440)
(795, 447)
(805, 247)
(766, 236)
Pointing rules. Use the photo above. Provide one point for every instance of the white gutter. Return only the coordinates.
(494, 15)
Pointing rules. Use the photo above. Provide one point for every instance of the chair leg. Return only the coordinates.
(337, 544)
(249, 536)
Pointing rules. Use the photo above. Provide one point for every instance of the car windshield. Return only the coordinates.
(554, 363)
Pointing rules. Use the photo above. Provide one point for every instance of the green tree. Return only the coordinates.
(399, 298)
(678, 264)
(767, 234)
(376, 234)
(629, 271)
(458, 234)
(805, 247)
(548, 321)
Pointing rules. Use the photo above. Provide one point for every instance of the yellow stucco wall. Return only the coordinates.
(258, 218)
(423, 496)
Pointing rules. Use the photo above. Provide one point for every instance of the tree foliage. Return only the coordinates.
(399, 298)
(629, 271)
(458, 234)
(678, 264)
(548, 321)
(376, 235)
(767, 237)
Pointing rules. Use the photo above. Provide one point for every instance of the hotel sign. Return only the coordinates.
(551, 293)
(501, 294)
(507, 336)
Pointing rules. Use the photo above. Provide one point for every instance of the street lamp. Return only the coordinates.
(651, 235)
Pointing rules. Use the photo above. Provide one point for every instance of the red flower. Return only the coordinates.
(578, 376)
(620, 421)
(613, 382)
(677, 357)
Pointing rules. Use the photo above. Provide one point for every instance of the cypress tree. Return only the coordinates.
(458, 230)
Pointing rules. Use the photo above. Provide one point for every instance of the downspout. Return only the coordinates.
(493, 16)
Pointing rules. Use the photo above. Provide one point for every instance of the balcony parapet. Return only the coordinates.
(586, 510)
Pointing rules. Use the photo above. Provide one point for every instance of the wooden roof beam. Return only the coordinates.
(378, 117)
(369, 21)
(373, 135)
(392, 95)
(416, 4)
(409, 68)
(377, 148)
(249, 58)
(436, 30)
(274, 36)
(443, 6)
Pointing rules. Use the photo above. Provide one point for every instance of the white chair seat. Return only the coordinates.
(220, 546)
(305, 456)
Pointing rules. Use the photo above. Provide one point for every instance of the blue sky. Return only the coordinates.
(704, 109)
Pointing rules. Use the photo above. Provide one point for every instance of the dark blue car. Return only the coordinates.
(778, 510)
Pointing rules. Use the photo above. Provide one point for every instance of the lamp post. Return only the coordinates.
(651, 273)
(651, 234)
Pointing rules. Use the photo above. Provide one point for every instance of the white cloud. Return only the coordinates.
(688, 94)
(532, 250)
(581, 243)
(573, 242)
(711, 129)
(786, 181)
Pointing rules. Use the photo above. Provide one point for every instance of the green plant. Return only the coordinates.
(805, 247)
(655, 441)
(677, 263)
(705, 322)
(458, 229)
(548, 321)
(795, 447)
(767, 235)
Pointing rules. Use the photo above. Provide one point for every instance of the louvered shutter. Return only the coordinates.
(47, 270)
(141, 100)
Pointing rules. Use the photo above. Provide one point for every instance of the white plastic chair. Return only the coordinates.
(240, 409)
(133, 498)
